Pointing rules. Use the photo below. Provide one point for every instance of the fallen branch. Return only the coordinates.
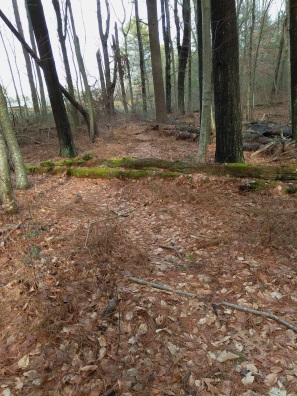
(161, 287)
(260, 313)
(172, 248)
(227, 304)
(17, 226)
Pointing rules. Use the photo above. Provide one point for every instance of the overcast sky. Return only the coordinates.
(87, 30)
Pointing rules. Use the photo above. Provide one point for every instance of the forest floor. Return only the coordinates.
(74, 323)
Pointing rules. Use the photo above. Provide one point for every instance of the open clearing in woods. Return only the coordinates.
(72, 323)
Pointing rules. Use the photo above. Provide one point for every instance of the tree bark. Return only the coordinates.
(12, 144)
(183, 55)
(156, 60)
(166, 38)
(93, 127)
(27, 59)
(293, 62)
(226, 81)
(67, 148)
(275, 86)
(200, 54)
(38, 70)
(62, 40)
(104, 41)
(205, 130)
(141, 59)
(120, 69)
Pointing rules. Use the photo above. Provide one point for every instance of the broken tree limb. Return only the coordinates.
(260, 313)
(12, 229)
(161, 287)
(225, 303)
(40, 64)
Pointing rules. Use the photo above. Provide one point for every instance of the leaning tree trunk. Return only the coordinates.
(275, 86)
(27, 59)
(205, 129)
(12, 144)
(62, 40)
(293, 62)
(183, 55)
(156, 60)
(141, 59)
(226, 81)
(93, 128)
(67, 148)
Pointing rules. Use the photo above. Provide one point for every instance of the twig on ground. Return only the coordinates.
(15, 227)
(179, 255)
(187, 389)
(161, 287)
(227, 304)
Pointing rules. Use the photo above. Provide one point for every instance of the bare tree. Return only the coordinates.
(226, 81)
(93, 127)
(156, 60)
(293, 62)
(62, 34)
(205, 129)
(67, 148)
(27, 59)
(109, 83)
(120, 68)
(167, 39)
(141, 59)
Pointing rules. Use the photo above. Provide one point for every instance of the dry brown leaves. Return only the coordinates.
(72, 323)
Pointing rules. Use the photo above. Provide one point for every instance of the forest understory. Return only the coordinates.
(73, 322)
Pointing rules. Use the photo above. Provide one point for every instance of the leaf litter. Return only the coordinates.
(72, 323)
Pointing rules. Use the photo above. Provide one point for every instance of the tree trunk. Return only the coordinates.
(156, 60)
(27, 59)
(104, 42)
(293, 62)
(166, 38)
(62, 40)
(183, 55)
(67, 148)
(190, 77)
(12, 144)
(250, 93)
(200, 54)
(275, 86)
(93, 127)
(120, 69)
(141, 59)
(226, 81)
(101, 76)
(205, 130)
(38, 71)
(12, 77)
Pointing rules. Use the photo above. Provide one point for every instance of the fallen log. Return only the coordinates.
(144, 167)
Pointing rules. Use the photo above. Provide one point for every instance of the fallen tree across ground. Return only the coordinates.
(92, 167)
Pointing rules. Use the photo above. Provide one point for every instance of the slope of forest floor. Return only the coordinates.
(74, 323)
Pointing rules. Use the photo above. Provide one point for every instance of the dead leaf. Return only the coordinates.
(24, 362)
(225, 355)
(270, 379)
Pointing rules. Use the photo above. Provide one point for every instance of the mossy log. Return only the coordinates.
(137, 168)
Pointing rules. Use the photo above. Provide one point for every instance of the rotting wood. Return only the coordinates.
(225, 303)
(149, 167)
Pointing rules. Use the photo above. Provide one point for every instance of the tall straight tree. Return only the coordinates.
(67, 148)
(167, 39)
(93, 127)
(141, 58)
(205, 129)
(183, 53)
(200, 53)
(62, 38)
(109, 84)
(226, 81)
(27, 59)
(293, 61)
(156, 60)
